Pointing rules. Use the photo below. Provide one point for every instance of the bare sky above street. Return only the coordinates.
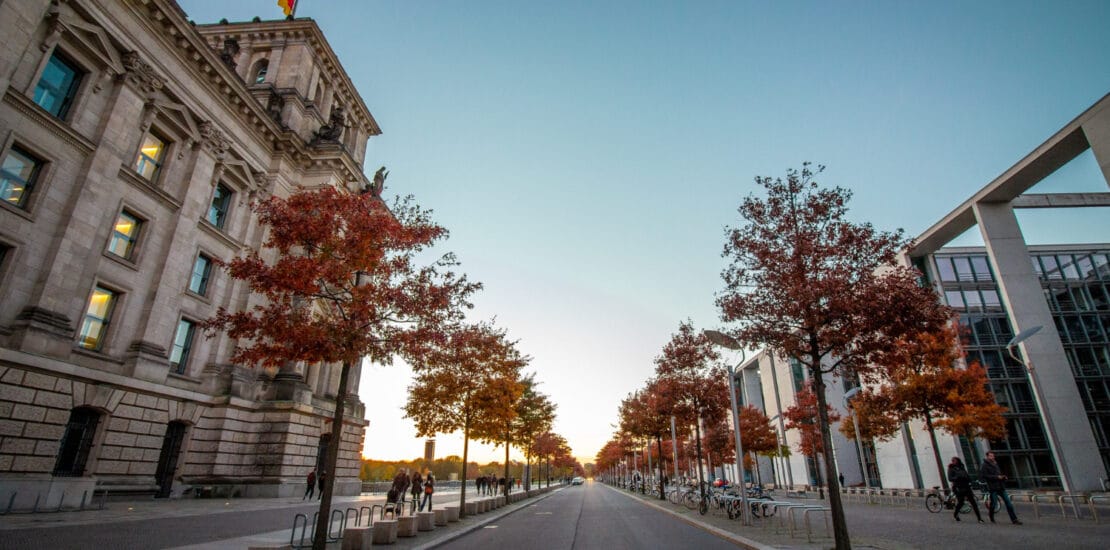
(586, 155)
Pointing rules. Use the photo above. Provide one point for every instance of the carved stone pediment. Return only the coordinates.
(141, 74)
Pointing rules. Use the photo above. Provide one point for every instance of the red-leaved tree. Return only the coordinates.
(339, 281)
(807, 283)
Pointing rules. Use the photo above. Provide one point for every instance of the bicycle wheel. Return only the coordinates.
(765, 510)
(731, 510)
(933, 503)
(987, 504)
(703, 507)
(691, 501)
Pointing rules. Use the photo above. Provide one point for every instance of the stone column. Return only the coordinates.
(1053, 383)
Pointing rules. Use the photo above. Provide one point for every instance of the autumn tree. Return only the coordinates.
(921, 379)
(758, 436)
(339, 280)
(646, 413)
(694, 382)
(805, 282)
(469, 382)
(535, 414)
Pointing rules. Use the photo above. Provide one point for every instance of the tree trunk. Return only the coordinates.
(936, 451)
(697, 446)
(506, 466)
(662, 467)
(466, 451)
(840, 525)
(323, 520)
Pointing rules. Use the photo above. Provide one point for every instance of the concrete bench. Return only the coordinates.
(425, 521)
(452, 513)
(385, 531)
(440, 517)
(357, 538)
(471, 508)
(406, 526)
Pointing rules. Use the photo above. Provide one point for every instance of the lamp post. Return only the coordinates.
(1053, 441)
(859, 436)
(726, 341)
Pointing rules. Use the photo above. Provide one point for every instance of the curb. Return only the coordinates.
(743, 542)
(457, 534)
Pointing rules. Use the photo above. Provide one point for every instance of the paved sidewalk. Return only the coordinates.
(225, 516)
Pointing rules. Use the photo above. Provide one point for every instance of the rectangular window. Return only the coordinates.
(963, 268)
(202, 267)
(944, 269)
(17, 177)
(954, 298)
(125, 235)
(981, 267)
(151, 153)
(97, 315)
(182, 343)
(58, 86)
(221, 200)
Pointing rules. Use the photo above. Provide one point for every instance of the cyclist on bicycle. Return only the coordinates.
(961, 486)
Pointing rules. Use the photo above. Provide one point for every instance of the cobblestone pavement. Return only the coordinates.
(896, 527)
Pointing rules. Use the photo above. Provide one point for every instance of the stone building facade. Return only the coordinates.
(132, 143)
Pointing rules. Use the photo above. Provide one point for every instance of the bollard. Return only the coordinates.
(452, 513)
(425, 521)
(357, 538)
(406, 526)
(440, 517)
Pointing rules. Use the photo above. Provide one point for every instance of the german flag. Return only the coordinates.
(287, 6)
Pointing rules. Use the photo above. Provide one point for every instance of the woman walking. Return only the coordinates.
(961, 486)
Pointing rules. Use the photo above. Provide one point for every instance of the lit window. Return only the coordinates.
(202, 267)
(97, 315)
(182, 343)
(17, 177)
(221, 201)
(58, 86)
(124, 235)
(150, 156)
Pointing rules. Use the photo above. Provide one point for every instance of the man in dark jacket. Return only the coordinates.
(996, 485)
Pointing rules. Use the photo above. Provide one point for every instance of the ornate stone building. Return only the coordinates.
(132, 143)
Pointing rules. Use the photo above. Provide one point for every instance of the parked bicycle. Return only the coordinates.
(935, 501)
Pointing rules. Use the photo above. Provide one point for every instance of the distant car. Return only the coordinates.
(577, 481)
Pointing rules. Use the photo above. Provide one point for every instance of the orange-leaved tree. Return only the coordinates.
(805, 282)
(757, 435)
(535, 414)
(340, 281)
(802, 416)
(921, 378)
(469, 382)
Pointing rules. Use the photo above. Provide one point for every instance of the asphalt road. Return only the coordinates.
(585, 517)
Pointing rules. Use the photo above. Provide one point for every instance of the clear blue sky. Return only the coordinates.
(586, 155)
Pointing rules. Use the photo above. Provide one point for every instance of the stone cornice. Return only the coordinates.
(24, 105)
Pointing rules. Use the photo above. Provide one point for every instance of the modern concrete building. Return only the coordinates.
(132, 143)
(1059, 408)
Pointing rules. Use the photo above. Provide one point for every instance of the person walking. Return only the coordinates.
(429, 488)
(401, 485)
(961, 487)
(416, 485)
(996, 486)
(320, 481)
(311, 482)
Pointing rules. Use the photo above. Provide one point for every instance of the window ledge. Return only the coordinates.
(143, 184)
(17, 210)
(220, 234)
(96, 355)
(130, 264)
(185, 378)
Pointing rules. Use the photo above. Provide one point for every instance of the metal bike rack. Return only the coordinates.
(300, 542)
(1074, 498)
(1093, 504)
(1036, 510)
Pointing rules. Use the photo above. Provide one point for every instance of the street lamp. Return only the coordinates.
(726, 341)
(1053, 441)
(859, 436)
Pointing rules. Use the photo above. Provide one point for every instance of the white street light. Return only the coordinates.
(726, 341)
(859, 436)
(1053, 440)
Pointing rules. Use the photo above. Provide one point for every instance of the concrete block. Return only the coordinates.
(425, 521)
(406, 526)
(452, 513)
(441, 516)
(385, 531)
(357, 538)
(471, 508)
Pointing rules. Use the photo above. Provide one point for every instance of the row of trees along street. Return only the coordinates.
(341, 277)
(555, 467)
(804, 282)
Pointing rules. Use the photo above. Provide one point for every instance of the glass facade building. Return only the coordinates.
(1076, 286)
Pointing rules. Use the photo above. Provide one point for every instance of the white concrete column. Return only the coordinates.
(1097, 130)
(1053, 383)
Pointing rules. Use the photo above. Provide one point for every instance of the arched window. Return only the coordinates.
(260, 70)
(73, 454)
